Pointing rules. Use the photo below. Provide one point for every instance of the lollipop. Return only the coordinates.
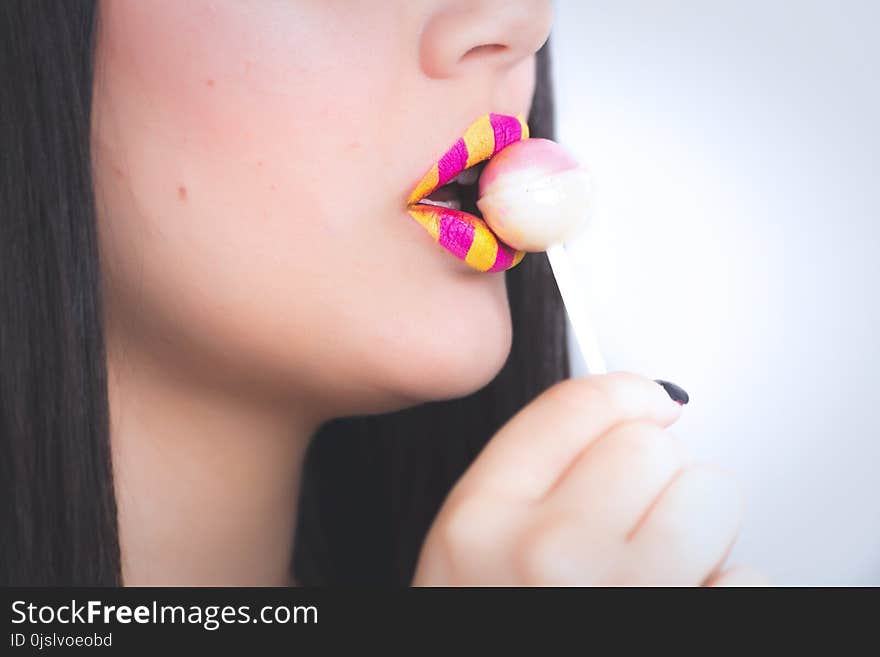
(534, 196)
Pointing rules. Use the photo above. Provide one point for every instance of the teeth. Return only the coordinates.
(468, 176)
(455, 203)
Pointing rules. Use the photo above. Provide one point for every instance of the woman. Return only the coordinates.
(231, 357)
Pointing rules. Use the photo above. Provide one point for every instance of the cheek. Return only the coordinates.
(521, 83)
(250, 211)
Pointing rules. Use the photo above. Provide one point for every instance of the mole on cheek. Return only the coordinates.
(181, 193)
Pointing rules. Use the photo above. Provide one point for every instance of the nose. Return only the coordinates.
(490, 33)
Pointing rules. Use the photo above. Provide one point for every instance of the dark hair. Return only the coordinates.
(57, 508)
(371, 485)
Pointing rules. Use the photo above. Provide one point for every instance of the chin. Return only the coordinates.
(468, 368)
(448, 367)
(446, 335)
(454, 361)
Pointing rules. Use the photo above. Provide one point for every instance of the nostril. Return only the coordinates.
(485, 49)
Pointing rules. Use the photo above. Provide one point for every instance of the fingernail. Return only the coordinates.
(677, 393)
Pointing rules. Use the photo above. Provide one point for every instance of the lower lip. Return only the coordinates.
(466, 236)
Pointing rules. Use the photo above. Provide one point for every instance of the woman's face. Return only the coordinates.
(252, 165)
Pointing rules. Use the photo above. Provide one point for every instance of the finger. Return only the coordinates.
(739, 576)
(688, 531)
(532, 449)
(614, 480)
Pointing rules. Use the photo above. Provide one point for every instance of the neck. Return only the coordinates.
(207, 478)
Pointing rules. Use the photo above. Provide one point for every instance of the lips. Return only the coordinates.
(463, 234)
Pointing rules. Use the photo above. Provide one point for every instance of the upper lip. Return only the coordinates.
(480, 141)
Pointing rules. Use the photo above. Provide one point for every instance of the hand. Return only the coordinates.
(584, 486)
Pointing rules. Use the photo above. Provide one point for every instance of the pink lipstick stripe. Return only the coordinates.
(452, 163)
(456, 236)
(507, 129)
(504, 258)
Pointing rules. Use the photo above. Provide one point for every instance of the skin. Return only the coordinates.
(252, 163)
(613, 499)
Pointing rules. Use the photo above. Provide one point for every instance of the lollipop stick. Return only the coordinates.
(576, 308)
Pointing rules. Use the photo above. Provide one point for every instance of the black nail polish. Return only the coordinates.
(677, 393)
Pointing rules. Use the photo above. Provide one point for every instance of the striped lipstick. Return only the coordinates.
(465, 235)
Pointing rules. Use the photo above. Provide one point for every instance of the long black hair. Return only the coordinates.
(57, 508)
(371, 485)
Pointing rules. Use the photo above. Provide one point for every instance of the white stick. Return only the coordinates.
(576, 308)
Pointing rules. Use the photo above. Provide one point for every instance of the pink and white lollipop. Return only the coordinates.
(534, 196)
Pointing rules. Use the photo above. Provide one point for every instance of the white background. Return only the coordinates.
(734, 247)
